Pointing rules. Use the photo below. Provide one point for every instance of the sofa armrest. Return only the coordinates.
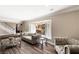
(66, 49)
(71, 49)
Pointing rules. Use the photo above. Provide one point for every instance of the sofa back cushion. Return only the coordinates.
(73, 41)
(61, 41)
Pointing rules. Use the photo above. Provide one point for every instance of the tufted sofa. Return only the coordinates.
(66, 46)
(33, 39)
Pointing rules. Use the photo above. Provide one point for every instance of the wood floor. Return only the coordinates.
(27, 48)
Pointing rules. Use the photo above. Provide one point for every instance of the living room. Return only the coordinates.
(53, 31)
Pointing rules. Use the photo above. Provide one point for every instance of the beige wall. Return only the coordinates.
(25, 26)
(66, 25)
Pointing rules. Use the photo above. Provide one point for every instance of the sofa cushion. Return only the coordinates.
(73, 42)
(28, 37)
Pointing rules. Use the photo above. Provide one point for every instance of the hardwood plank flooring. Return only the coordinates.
(27, 48)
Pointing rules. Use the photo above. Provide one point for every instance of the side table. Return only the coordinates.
(43, 41)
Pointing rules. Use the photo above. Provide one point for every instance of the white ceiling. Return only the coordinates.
(19, 13)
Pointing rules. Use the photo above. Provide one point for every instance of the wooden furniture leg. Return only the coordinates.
(46, 42)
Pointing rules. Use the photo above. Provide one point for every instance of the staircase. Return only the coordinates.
(6, 27)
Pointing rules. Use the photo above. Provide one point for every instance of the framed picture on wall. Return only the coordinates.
(40, 28)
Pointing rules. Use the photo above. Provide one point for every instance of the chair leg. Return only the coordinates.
(20, 44)
(2, 49)
(42, 44)
(46, 42)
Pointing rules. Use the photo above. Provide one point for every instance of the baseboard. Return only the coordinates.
(51, 43)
